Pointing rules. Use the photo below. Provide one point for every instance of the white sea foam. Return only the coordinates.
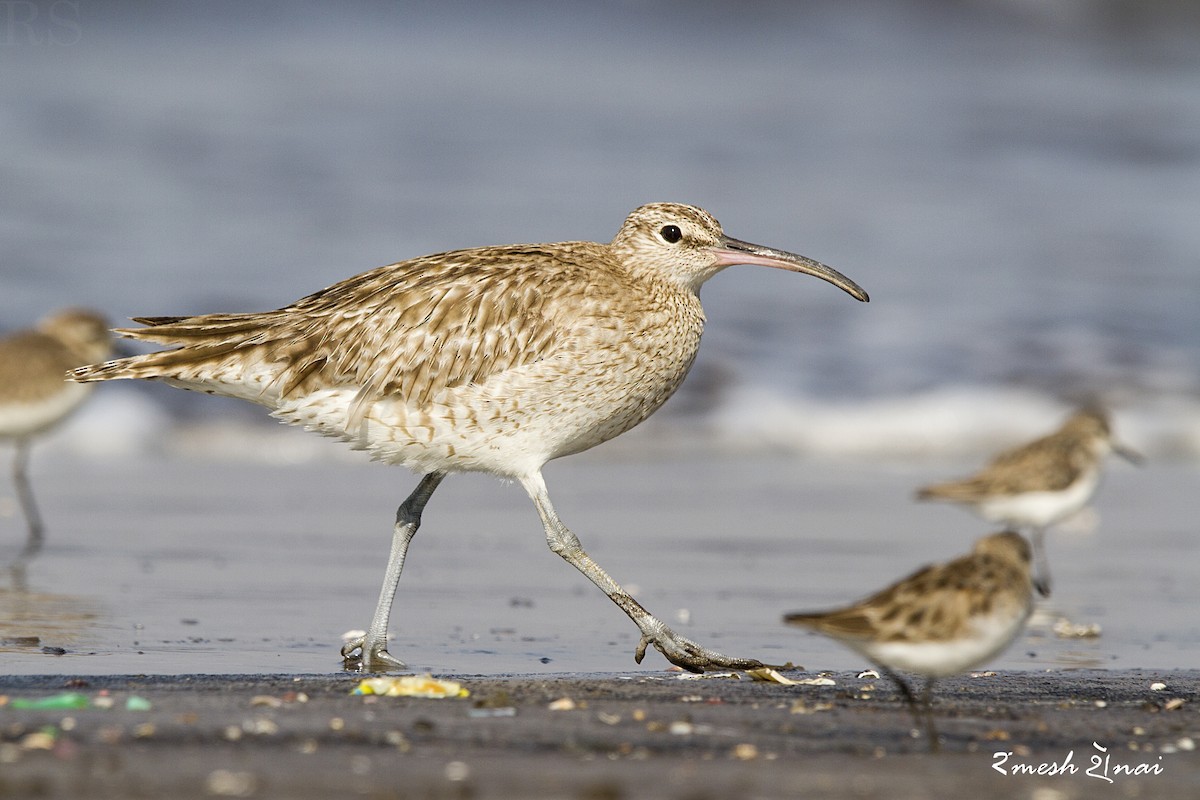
(949, 423)
(945, 423)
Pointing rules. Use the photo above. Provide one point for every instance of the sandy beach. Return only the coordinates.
(221, 582)
(178, 564)
(1010, 182)
(1061, 735)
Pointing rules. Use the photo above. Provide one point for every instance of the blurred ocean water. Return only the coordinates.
(1016, 184)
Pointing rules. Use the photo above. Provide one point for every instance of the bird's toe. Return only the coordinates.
(360, 656)
(683, 652)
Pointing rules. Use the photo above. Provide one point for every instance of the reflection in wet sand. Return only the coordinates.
(1048, 624)
(186, 565)
(32, 621)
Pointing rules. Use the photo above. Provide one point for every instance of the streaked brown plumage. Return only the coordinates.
(1040, 483)
(496, 359)
(1050, 463)
(941, 620)
(34, 394)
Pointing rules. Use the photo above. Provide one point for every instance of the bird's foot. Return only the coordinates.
(693, 657)
(360, 656)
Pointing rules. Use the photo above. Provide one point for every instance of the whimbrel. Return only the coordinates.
(941, 620)
(1035, 485)
(35, 395)
(495, 359)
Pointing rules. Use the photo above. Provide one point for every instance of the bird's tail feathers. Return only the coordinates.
(198, 341)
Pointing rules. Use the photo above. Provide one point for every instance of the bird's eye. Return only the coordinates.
(671, 234)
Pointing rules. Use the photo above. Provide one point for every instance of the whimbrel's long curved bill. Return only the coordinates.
(734, 251)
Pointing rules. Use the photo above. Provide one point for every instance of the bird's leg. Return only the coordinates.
(372, 654)
(916, 707)
(1041, 576)
(678, 650)
(25, 497)
(927, 702)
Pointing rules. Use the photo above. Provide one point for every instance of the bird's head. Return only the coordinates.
(82, 331)
(1008, 545)
(687, 245)
(1093, 427)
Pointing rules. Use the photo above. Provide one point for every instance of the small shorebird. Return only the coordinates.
(496, 359)
(34, 394)
(941, 620)
(1040, 483)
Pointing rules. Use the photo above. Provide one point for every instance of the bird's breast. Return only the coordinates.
(607, 371)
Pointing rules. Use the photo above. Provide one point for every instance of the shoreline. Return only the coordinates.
(169, 566)
(599, 736)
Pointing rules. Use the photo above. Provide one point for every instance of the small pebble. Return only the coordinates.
(260, 726)
(227, 783)
(480, 713)
(745, 751)
(39, 740)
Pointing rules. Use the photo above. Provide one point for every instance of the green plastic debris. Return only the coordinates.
(56, 702)
(135, 703)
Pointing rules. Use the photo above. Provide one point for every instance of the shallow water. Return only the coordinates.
(177, 565)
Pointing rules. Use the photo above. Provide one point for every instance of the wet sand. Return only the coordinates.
(167, 564)
(219, 582)
(603, 736)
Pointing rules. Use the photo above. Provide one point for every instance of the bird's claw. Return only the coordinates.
(689, 655)
(358, 656)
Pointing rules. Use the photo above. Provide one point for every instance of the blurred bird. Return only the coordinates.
(496, 359)
(942, 620)
(1040, 483)
(35, 394)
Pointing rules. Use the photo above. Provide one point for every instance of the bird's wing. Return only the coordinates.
(31, 353)
(415, 328)
(1045, 464)
(928, 600)
(408, 330)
